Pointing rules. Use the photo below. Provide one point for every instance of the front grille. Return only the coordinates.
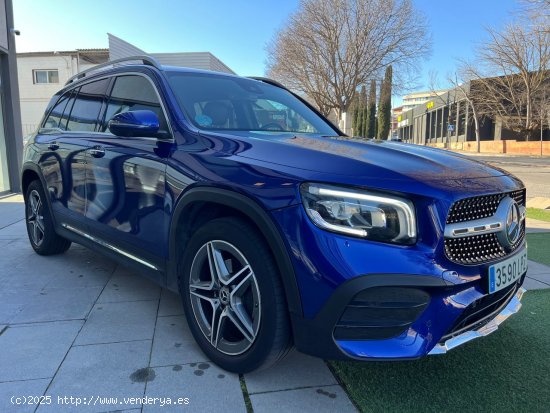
(478, 207)
(481, 311)
(380, 313)
(477, 249)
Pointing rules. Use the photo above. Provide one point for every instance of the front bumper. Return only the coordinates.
(512, 307)
(436, 330)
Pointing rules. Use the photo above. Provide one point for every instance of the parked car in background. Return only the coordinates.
(275, 228)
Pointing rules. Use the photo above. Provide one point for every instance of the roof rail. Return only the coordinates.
(146, 60)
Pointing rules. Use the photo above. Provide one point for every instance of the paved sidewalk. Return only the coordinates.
(80, 325)
(538, 275)
(535, 225)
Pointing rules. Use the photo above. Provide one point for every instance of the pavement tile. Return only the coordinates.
(543, 278)
(208, 388)
(14, 395)
(83, 268)
(126, 285)
(12, 302)
(534, 268)
(174, 344)
(106, 370)
(64, 270)
(170, 303)
(114, 322)
(532, 284)
(51, 304)
(16, 230)
(295, 370)
(316, 399)
(35, 351)
(26, 279)
(13, 210)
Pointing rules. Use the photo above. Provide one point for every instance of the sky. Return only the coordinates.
(235, 31)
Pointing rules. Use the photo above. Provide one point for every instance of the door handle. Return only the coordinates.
(53, 146)
(97, 151)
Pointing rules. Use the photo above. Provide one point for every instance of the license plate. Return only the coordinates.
(507, 272)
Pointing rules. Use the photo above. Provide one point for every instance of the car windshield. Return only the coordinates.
(223, 103)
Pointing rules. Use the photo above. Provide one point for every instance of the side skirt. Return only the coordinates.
(150, 270)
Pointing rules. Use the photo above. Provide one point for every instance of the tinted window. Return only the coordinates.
(233, 103)
(133, 93)
(57, 112)
(85, 112)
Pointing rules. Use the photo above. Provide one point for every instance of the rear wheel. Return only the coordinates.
(233, 297)
(40, 228)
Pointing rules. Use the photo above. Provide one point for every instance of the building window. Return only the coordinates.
(45, 76)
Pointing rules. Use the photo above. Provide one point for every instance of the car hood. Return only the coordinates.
(357, 157)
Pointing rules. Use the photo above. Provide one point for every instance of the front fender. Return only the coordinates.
(257, 214)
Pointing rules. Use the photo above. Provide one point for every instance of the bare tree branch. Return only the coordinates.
(510, 74)
(329, 48)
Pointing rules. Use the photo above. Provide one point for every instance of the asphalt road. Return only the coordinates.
(532, 170)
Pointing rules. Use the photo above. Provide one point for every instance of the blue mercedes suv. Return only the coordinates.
(276, 229)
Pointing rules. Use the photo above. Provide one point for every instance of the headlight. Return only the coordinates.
(364, 214)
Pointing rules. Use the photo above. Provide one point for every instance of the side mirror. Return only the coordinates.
(135, 123)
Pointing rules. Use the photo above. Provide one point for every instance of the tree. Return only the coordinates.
(370, 129)
(328, 48)
(461, 90)
(356, 111)
(471, 97)
(360, 103)
(510, 74)
(384, 107)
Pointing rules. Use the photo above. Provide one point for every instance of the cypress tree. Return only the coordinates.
(364, 106)
(370, 124)
(355, 114)
(384, 107)
(361, 115)
(359, 123)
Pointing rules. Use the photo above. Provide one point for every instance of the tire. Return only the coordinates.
(40, 228)
(253, 293)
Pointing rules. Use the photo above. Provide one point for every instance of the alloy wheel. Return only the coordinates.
(225, 297)
(35, 218)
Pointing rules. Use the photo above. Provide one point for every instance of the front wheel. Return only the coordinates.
(233, 297)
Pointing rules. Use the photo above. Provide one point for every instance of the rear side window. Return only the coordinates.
(133, 93)
(87, 106)
(56, 114)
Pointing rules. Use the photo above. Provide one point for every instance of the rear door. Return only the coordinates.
(64, 137)
(126, 178)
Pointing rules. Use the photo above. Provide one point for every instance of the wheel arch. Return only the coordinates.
(30, 172)
(186, 219)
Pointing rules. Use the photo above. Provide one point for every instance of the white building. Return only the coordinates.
(42, 74)
(418, 98)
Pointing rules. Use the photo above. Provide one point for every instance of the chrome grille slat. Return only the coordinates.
(478, 207)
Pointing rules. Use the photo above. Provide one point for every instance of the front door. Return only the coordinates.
(126, 179)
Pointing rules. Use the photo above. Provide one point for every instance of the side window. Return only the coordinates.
(53, 119)
(68, 108)
(133, 93)
(85, 112)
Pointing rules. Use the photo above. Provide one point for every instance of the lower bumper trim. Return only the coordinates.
(513, 307)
